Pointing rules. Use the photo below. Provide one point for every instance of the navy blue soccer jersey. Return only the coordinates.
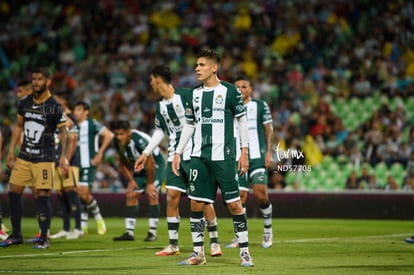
(40, 123)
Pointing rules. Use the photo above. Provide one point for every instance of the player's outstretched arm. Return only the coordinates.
(153, 143)
(106, 141)
(126, 172)
(150, 189)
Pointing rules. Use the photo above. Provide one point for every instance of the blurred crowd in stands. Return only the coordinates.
(303, 56)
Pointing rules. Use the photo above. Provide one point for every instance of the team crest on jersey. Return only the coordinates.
(177, 108)
(188, 112)
(219, 99)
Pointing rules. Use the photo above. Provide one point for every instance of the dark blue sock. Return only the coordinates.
(75, 207)
(43, 217)
(16, 212)
(65, 211)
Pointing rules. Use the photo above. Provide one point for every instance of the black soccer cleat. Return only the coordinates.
(125, 237)
(11, 240)
(150, 237)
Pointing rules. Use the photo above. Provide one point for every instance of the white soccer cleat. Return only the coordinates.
(169, 250)
(267, 240)
(215, 250)
(75, 234)
(194, 259)
(245, 259)
(60, 234)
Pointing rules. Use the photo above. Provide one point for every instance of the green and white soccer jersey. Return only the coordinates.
(213, 111)
(258, 114)
(133, 150)
(88, 141)
(170, 118)
(87, 147)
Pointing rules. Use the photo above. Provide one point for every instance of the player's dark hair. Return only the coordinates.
(245, 78)
(211, 55)
(121, 125)
(84, 105)
(162, 71)
(23, 83)
(43, 70)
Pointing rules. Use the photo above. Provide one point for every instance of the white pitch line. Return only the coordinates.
(67, 252)
(310, 240)
(336, 238)
(391, 235)
(135, 248)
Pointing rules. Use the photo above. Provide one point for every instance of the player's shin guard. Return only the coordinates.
(197, 231)
(240, 228)
(154, 216)
(65, 210)
(75, 207)
(212, 230)
(43, 216)
(173, 224)
(267, 212)
(84, 217)
(94, 208)
(131, 213)
(16, 212)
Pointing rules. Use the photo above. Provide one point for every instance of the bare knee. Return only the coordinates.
(84, 195)
(260, 194)
(197, 206)
(243, 196)
(16, 188)
(209, 212)
(173, 197)
(131, 198)
(235, 208)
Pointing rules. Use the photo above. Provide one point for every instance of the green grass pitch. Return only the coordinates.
(301, 246)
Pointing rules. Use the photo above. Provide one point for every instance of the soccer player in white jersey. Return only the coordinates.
(170, 119)
(91, 154)
(210, 111)
(260, 129)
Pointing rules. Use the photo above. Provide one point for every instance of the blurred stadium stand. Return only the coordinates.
(338, 75)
